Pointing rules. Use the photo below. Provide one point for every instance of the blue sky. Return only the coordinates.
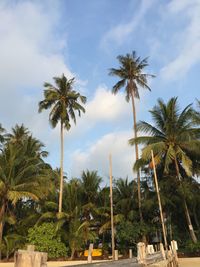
(42, 39)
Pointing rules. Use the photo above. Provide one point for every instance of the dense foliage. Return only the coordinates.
(29, 191)
(46, 239)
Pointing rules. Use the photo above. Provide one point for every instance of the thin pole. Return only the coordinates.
(61, 167)
(159, 201)
(111, 209)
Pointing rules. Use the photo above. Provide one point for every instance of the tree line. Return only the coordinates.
(40, 205)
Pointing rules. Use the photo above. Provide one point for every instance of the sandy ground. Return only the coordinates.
(189, 262)
(52, 263)
(183, 262)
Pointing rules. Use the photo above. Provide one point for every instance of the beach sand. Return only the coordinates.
(183, 262)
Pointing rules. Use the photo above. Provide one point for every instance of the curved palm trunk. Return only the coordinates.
(2, 212)
(136, 155)
(187, 214)
(61, 167)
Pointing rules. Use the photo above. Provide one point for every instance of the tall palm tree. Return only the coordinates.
(174, 139)
(64, 102)
(130, 73)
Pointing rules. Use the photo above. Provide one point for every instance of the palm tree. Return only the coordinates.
(132, 78)
(124, 197)
(21, 177)
(64, 102)
(90, 185)
(174, 140)
(19, 133)
(196, 115)
(2, 134)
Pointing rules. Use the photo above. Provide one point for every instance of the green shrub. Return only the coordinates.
(46, 239)
(128, 234)
(192, 247)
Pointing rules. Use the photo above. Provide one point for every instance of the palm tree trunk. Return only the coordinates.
(136, 155)
(195, 218)
(187, 214)
(2, 212)
(61, 167)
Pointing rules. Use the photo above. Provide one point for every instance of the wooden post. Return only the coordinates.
(159, 201)
(90, 253)
(174, 250)
(30, 247)
(116, 255)
(25, 258)
(141, 253)
(162, 251)
(111, 210)
(130, 254)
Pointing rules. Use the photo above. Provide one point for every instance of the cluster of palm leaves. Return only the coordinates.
(32, 192)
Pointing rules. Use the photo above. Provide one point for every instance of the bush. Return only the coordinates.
(128, 234)
(46, 239)
(192, 247)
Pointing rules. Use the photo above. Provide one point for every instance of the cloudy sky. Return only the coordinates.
(43, 39)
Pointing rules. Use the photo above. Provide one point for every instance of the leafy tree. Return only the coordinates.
(132, 77)
(46, 239)
(174, 140)
(64, 102)
(128, 234)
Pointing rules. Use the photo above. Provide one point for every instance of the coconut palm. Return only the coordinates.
(174, 140)
(21, 136)
(196, 114)
(90, 185)
(21, 177)
(123, 191)
(64, 102)
(130, 73)
(2, 134)
(19, 133)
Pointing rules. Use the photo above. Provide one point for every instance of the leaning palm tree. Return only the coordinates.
(64, 102)
(174, 140)
(130, 73)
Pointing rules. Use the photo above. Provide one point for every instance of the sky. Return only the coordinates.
(43, 39)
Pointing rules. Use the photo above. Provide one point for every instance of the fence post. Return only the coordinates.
(130, 254)
(174, 247)
(89, 260)
(162, 251)
(116, 255)
(141, 253)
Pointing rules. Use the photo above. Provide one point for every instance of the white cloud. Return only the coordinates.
(189, 41)
(30, 54)
(96, 157)
(26, 46)
(102, 109)
(119, 34)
